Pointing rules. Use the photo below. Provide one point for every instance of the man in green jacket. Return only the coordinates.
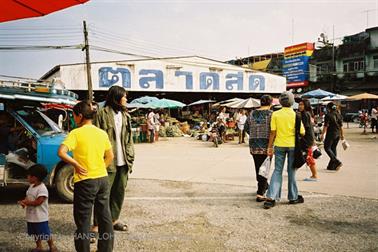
(116, 122)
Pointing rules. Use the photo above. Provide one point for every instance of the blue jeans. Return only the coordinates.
(274, 191)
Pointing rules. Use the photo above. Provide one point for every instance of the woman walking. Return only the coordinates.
(258, 127)
(308, 140)
(92, 153)
(116, 122)
(333, 129)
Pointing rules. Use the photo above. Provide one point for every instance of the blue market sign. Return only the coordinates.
(155, 79)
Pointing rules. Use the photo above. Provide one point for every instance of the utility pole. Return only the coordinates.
(367, 16)
(88, 63)
(292, 31)
(333, 60)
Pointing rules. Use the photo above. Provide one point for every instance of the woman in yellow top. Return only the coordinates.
(92, 153)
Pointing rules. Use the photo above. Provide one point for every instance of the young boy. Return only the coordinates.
(36, 203)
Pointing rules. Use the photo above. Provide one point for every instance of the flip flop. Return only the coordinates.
(119, 226)
(310, 179)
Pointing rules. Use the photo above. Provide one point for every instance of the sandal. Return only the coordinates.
(93, 236)
(310, 179)
(119, 226)
(53, 249)
(269, 203)
(260, 198)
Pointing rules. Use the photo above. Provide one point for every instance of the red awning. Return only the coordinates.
(18, 9)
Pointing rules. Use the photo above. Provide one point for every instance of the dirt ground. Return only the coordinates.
(185, 216)
(186, 195)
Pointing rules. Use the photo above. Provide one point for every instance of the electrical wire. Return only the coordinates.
(98, 48)
(19, 48)
(17, 77)
(105, 31)
(123, 47)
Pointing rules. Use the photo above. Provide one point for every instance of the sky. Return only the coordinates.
(218, 29)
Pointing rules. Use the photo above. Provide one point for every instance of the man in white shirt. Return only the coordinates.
(151, 125)
(241, 122)
(374, 121)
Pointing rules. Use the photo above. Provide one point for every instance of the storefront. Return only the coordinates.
(183, 78)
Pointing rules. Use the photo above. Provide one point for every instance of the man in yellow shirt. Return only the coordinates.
(282, 135)
(92, 153)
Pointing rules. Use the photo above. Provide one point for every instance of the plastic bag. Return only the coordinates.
(265, 168)
(316, 152)
(345, 144)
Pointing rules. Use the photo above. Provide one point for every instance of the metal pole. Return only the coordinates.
(88, 64)
(333, 60)
(292, 30)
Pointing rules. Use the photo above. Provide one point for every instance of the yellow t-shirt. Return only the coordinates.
(283, 122)
(88, 145)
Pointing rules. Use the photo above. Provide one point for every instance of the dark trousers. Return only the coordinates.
(374, 124)
(152, 135)
(262, 182)
(117, 184)
(241, 135)
(89, 193)
(330, 145)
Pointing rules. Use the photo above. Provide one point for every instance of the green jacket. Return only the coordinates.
(105, 120)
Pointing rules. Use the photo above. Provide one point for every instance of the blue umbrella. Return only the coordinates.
(136, 105)
(165, 103)
(317, 93)
(144, 100)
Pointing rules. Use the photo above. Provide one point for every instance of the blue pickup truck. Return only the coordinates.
(29, 136)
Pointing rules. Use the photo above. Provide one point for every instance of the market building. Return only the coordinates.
(186, 79)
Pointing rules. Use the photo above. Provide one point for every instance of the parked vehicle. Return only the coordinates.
(215, 136)
(33, 137)
(363, 119)
(351, 117)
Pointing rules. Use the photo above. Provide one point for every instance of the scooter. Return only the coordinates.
(214, 136)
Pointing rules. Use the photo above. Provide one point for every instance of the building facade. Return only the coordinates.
(349, 68)
(175, 77)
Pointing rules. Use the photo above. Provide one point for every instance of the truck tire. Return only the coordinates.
(64, 183)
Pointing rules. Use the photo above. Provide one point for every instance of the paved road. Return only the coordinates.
(187, 159)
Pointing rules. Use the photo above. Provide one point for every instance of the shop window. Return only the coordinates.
(345, 67)
(356, 66)
(319, 69)
(375, 61)
(325, 68)
(361, 65)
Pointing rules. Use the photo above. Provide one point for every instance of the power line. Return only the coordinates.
(133, 41)
(17, 77)
(10, 48)
(99, 48)
(106, 41)
(42, 28)
(105, 31)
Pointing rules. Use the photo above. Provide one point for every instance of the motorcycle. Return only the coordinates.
(364, 118)
(215, 136)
